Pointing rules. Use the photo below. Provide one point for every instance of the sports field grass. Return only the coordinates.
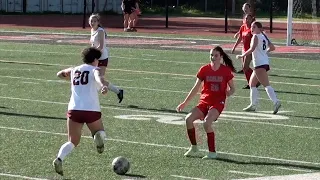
(144, 127)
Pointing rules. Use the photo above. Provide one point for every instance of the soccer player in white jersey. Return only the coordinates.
(98, 40)
(259, 47)
(84, 105)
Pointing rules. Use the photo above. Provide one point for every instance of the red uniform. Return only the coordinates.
(246, 35)
(215, 84)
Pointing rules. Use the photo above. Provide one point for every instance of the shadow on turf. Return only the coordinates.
(135, 175)
(268, 164)
(293, 77)
(307, 117)
(147, 109)
(32, 116)
(289, 92)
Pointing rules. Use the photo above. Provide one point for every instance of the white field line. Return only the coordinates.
(155, 79)
(114, 35)
(158, 73)
(26, 82)
(151, 55)
(167, 146)
(309, 74)
(186, 177)
(268, 123)
(294, 169)
(246, 173)
(151, 59)
(307, 176)
(128, 80)
(162, 113)
(151, 89)
(21, 177)
(296, 20)
(188, 78)
(183, 78)
(36, 63)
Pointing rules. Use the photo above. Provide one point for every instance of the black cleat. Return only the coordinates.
(246, 87)
(120, 95)
(57, 164)
(258, 84)
(240, 72)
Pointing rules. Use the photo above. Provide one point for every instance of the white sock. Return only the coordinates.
(254, 95)
(272, 95)
(113, 88)
(65, 149)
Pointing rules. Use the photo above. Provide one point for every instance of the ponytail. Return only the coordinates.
(226, 58)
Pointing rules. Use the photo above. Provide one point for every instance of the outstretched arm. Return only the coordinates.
(101, 81)
(231, 88)
(254, 42)
(236, 44)
(101, 40)
(64, 74)
(190, 96)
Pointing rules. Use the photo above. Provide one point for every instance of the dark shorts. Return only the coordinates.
(265, 66)
(103, 62)
(205, 108)
(83, 116)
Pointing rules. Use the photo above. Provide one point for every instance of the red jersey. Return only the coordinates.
(215, 83)
(246, 36)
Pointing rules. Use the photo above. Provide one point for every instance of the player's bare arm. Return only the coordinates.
(252, 48)
(236, 44)
(191, 94)
(101, 81)
(101, 40)
(64, 74)
(271, 47)
(231, 88)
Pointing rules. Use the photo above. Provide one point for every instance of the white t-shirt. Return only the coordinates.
(259, 55)
(84, 89)
(95, 42)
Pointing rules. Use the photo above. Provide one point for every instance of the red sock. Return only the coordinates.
(192, 136)
(248, 74)
(211, 142)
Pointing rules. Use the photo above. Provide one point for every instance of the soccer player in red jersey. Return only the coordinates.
(245, 36)
(217, 79)
(246, 8)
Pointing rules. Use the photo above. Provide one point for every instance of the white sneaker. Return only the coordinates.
(211, 155)
(276, 107)
(250, 108)
(99, 141)
(192, 152)
(57, 164)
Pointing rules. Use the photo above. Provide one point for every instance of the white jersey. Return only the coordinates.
(259, 55)
(95, 42)
(84, 89)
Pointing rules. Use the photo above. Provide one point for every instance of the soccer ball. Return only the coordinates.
(120, 165)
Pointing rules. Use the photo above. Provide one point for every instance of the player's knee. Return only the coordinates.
(189, 119)
(207, 125)
(75, 141)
